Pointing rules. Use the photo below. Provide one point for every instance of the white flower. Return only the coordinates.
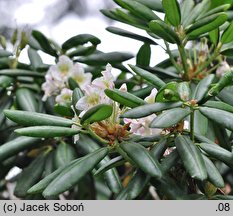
(64, 97)
(64, 66)
(53, 84)
(141, 126)
(123, 88)
(93, 96)
(151, 98)
(224, 67)
(78, 74)
(106, 81)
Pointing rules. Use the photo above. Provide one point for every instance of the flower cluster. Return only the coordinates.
(110, 129)
(56, 79)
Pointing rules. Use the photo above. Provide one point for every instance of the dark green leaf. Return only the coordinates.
(214, 36)
(219, 105)
(80, 40)
(227, 35)
(172, 11)
(16, 145)
(97, 113)
(5, 81)
(46, 131)
(142, 158)
(169, 161)
(191, 157)
(124, 98)
(169, 118)
(19, 72)
(148, 109)
(63, 110)
(70, 176)
(168, 93)
(222, 117)
(44, 43)
(26, 118)
(144, 55)
(151, 78)
(152, 4)
(164, 31)
(35, 58)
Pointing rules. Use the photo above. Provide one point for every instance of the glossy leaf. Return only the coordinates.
(44, 43)
(172, 11)
(200, 123)
(5, 81)
(71, 175)
(213, 174)
(151, 78)
(203, 87)
(217, 152)
(184, 91)
(221, 8)
(168, 93)
(30, 176)
(144, 55)
(148, 109)
(80, 40)
(169, 161)
(142, 158)
(219, 105)
(104, 58)
(35, 58)
(227, 35)
(191, 157)
(222, 117)
(64, 154)
(214, 36)
(169, 118)
(152, 4)
(164, 31)
(125, 33)
(124, 98)
(63, 110)
(16, 145)
(158, 149)
(138, 9)
(97, 113)
(20, 72)
(186, 9)
(27, 118)
(46, 131)
(205, 26)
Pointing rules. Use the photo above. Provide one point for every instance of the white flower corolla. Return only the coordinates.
(53, 84)
(123, 88)
(222, 69)
(78, 74)
(151, 98)
(64, 66)
(64, 97)
(141, 126)
(106, 81)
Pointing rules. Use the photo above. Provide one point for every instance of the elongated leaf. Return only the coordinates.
(19, 72)
(213, 174)
(151, 78)
(124, 98)
(191, 157)
(81, 51)
(217, 152)
(80, 40)
(27, 118)
(70, 176)
(35, 59)
(158, 149)
(208, 27)
(142, 158)
(143, 55)
(172, 11)
(104, 58)
(129, 34)
(63, 110)
(219, 105)
(16, 145)
(169, 161)
(117, 161)
(164, 31)
(64, 154)
(97, 113)
(134, 187)
(218, 9)
(46, 131)
(184, 91)
(227, 35)
(30, 176)
(76, 95)
(222, 117)
(186, 8)
(152, 4)
(214, 36)
(148, 109)
(200, 123)
(168, 93)
(44, 43)
(169, 118)
(5, 81)
(4, 53)
(203, 87)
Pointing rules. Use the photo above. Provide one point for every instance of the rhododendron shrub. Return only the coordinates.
(78, 130)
